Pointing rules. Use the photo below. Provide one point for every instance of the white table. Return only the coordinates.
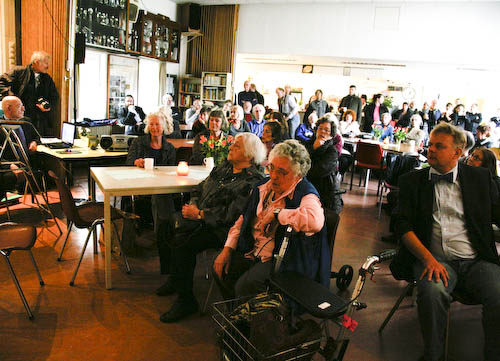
(127, 181)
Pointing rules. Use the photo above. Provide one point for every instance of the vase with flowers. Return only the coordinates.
(216, 148)
(377, 132)
(400, 134)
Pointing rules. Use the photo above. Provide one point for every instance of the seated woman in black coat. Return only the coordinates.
(217, 125)
(483, 157)
(324, 158)
(154, 144)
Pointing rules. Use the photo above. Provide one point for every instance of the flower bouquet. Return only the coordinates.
(377, 132)
(400, 134)
(218, 149)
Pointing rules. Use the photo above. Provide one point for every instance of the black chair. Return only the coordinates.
(88, 215)
(18, 237)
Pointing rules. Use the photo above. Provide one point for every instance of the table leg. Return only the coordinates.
(107, 240)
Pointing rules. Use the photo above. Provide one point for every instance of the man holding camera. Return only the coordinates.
(34, 87)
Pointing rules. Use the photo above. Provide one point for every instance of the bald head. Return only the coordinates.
(13, 108)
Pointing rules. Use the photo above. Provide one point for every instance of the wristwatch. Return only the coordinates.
(276, 212)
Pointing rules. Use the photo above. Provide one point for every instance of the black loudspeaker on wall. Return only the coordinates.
(79, 48)
(191, 16)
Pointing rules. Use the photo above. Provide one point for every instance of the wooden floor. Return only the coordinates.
(87, 322)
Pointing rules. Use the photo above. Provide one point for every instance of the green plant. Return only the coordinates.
(377, 132)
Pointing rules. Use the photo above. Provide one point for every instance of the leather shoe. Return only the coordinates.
(179, 310)
(166, 289)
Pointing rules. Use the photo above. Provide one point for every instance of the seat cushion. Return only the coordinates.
(89, 212)
(16, 236)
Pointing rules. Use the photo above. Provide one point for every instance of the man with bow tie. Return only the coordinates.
(444, 219)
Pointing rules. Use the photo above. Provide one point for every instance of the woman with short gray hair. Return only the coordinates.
(300, 161)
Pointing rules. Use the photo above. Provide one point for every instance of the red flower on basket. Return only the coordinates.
(218, 149)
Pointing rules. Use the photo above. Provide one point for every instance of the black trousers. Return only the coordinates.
(184, 258)
(245, 277)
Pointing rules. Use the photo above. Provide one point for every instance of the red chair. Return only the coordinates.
(368, 156)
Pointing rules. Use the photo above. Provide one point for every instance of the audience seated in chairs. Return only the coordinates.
(444, 218)
(154, 144)
(215, 205)
(324, 164)
(286, 198)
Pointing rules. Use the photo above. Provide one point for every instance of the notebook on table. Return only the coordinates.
(68, 137)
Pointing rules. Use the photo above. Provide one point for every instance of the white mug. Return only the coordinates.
(149, 163)
(209, 162)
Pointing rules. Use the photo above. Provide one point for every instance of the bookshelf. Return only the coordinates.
(216, 87)
(189, 90)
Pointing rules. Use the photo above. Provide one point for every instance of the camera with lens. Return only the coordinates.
(44, 103)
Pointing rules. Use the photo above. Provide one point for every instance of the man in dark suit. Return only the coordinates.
(351, 101)
(444, 219)
(132, 117)
(36, 89)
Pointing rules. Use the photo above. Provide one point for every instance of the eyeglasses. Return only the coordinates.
(280, 171)
(326, 130)
(476, 157)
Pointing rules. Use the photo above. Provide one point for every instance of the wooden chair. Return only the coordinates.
(368, 156)
(18, 237)
(88, 215)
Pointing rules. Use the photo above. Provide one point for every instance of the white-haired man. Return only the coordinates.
(34, 86)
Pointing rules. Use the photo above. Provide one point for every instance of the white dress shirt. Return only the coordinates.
(450, 240)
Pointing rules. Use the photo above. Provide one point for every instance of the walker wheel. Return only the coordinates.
(344, 277)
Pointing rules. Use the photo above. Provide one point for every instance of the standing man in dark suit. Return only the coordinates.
(444, 219)
(351, 101)
(132, 116)
(34, 87)
(247, 95)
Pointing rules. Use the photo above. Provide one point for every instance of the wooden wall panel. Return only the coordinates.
(214, 51)
(39, 32)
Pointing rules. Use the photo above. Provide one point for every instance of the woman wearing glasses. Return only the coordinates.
(324, 158)
(483, 157)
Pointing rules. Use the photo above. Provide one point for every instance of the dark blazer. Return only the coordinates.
(128, 118)
(352, 102)
(20, 81)
(414, 213)
(141, 147)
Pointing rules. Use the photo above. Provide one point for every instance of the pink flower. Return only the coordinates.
(211, 145)
(223, 143)
(203, 139)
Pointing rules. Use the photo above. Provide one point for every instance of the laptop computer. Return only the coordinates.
(68, 137)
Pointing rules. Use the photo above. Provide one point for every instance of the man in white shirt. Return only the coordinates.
(444, 219)
(193, 113)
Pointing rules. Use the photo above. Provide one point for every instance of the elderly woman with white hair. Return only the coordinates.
(154, 144)
(170, 112)
(236, 123)
(257, 122)
(415, 133)
(215, 205)
(285, 198)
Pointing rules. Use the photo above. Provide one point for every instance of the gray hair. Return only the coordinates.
(470, 141)
(258, 106)
(459, 138)
(254, 148)
(166, 123)
(300, 162)
(239, 110)
(39, 55)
